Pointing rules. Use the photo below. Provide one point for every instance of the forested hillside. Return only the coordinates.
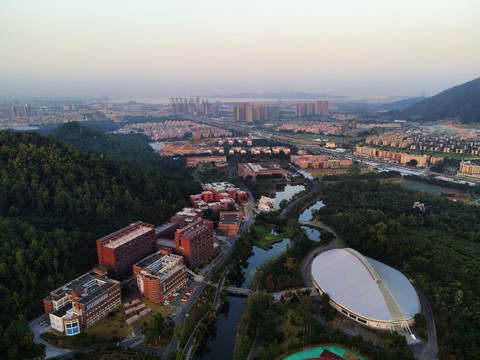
(130, 147)
(55, 201)
(438, 249)
(459, 102)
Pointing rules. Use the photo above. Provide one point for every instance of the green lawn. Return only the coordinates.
(265, 239)
(421, 187)
(107, 330)
(111, 325)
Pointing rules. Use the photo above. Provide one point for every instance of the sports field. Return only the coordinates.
(431, 189)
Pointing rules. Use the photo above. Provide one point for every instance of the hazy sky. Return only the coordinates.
(144, 49)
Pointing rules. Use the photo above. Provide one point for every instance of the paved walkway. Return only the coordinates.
(50, 350)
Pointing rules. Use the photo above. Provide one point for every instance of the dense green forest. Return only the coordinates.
(55, 201)
(439, 249)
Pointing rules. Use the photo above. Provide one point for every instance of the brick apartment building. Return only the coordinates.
(120, 250)
(195, 242)
(158, 276)
(82, 302)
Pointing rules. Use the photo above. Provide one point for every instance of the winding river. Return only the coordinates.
(221, 337)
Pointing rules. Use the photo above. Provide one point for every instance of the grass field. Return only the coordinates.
(106, 330)
(111, 325)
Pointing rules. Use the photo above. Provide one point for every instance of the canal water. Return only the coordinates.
(286, 194)
(306, 215)
(221, 337)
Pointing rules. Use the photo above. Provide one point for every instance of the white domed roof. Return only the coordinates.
(365, 286)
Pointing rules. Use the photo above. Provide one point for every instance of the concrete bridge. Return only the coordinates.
(240, 291)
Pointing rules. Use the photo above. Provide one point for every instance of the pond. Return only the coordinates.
(313, 234)
(306, 215)
(286, 194)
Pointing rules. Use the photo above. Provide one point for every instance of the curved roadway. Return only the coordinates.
(286, 211)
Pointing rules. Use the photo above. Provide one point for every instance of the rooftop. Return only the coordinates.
(230, 219)
(166, 242)
(85, 298)
(258, 167)
(160, 266)
(365, 286)
(196, 226)
(125, 235)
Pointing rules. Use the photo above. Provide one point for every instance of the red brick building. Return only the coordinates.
(120, 250)
(82, 302)
(158, 276)
(255, 169)
(195, 242)
(230, 222)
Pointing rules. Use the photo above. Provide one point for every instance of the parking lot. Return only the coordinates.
(179, 301)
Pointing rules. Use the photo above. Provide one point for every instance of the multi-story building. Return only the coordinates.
(230, 222)
(321, 107)
(82, 302)
(251, 113)
(195, 242)
(256, 169)
(239, 111)
(319, 162)
(158, 276)
(469, 168)
(120, 250)
(195, 160)
(402, 158)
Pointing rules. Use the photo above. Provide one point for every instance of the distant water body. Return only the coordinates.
(162, 101)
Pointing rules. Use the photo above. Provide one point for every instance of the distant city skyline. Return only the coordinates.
(155, 50)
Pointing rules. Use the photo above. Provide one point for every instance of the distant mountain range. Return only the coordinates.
(364, 106)
(461, 102)
(284, 96)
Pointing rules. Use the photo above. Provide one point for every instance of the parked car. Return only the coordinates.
(133, 334)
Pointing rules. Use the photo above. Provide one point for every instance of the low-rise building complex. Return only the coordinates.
(397, 157)
(82, 302)
(469, 168)
(259, 169)
(319, 162)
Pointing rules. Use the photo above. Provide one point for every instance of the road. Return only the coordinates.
(286, 211)
(181, 315)
(306, 273)
(249, 209)
(50, 350)
(429, 350)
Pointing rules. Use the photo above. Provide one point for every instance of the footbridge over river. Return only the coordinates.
(240, 291)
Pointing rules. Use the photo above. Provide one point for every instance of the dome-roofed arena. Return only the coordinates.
(369, 292)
